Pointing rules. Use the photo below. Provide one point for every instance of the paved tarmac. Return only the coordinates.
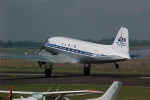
(73, 78)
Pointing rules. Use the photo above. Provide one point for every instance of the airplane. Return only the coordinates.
(60, 49)
(68, 50)
(56, 95)
(110, 94)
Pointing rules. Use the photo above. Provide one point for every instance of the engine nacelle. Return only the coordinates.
(40, 63)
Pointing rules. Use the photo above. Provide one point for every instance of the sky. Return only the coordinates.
(83, 19)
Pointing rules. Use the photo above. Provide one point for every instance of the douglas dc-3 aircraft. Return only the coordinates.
(110, 94)
(68, 50)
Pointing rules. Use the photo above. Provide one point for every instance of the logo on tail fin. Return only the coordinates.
(121, 41)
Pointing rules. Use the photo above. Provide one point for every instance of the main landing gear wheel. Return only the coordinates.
(116, 65)
(87, 69)
(48, 72)
(48, 68)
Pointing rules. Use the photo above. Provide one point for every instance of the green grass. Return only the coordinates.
(126, 92)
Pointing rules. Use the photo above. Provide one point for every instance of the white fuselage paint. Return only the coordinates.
(82, 51)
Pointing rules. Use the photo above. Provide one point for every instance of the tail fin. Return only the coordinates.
(112, 92)
(121, 42)
(10, 93)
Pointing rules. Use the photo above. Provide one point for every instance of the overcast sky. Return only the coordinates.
(84, 19)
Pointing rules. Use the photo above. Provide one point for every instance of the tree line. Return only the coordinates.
(19, 44)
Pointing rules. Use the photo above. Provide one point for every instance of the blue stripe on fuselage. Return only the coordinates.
(70, 49)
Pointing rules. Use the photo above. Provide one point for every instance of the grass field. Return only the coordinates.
(126, 93)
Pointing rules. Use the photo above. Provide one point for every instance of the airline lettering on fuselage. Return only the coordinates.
(71, 50)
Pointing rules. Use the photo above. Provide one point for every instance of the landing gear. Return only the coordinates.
(48, 68)
(116, 65)
(87, 69)
(48, 72)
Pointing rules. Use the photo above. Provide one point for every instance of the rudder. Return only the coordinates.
(112, 92)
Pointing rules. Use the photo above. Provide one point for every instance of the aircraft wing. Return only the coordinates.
(16, 92)
(42, 56)
(28, 57)
(55, 93)
(69, 93)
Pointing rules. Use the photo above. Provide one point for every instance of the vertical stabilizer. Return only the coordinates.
(121, 42)
(112, 92)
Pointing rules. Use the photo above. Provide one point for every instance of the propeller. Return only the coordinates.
(42, 45)
(36, 52)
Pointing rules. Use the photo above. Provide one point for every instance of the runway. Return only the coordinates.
(73, 78)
